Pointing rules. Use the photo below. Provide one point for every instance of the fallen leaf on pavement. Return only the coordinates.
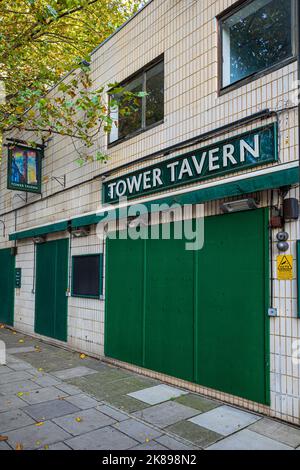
(21, 340)
(39, 424)
(3, 438)
(82, 356)
(19, 446)
(78, 420)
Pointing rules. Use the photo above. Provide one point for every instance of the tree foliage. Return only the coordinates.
(41, 40)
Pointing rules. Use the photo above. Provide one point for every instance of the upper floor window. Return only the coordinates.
(144, 112)
(256, 37)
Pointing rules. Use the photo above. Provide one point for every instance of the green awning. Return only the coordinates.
(248, 185)
(38, 231)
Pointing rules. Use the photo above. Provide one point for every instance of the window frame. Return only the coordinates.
(144, 128)
(101, 274)
(222, 90)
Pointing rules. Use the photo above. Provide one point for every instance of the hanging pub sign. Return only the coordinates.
(248, 150)
(24, 168)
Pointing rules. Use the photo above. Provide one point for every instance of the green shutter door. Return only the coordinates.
(124, 300)
(51, 286)
(197, 315)
(169, 314)
(232, 332)
(7, 292)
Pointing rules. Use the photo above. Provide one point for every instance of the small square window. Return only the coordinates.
(256, 37)
(87, 276)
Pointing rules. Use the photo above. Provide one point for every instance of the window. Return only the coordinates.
(255, 37)
(143, 113)
(87, 276)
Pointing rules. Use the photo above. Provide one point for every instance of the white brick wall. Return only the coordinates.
(186, 32)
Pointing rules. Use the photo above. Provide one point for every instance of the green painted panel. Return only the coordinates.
(196, 315)
(169, 326)
(7, 278)
(124, 300)
(51, 287)
(232, 306)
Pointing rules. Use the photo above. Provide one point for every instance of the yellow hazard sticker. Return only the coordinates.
(285, 267)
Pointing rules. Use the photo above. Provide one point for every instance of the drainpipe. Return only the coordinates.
(298, 52)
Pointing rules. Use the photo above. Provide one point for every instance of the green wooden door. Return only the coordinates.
(51, 285)
(232, 325)
(124, 300)
(7, 292)
(196, 315)
(169, 308)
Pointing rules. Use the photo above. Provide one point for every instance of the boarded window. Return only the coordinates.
(87, 276)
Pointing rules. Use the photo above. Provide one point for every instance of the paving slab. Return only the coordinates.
(68, 389)
(248, 440)
(21, 349)
(20, 386)
(4, 446)
(45, 380)
(280, 432)
(202, 404)
(125, 403)
(82, 401)
(13, 419)
(112, 412)
(174, 444)
(166, 414)
(89, 420)
(22, 366)
(5, 370)
(42, 395)
(79, 371)
(152, 445)
(50, 409)
(8, 402)
(202, 437)
(137, 430)
(34, 437)
(14, 377)
(225, 420)
(102, 439)
(58, 446)
(157, 394)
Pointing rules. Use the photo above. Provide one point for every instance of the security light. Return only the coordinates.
(238, 206)
(80, 232)
(39, 240)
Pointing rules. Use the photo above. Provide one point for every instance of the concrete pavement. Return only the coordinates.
(53, 399)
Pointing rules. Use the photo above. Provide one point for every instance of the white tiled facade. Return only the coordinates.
(186, 32)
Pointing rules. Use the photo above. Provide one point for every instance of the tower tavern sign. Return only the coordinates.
(256, 147)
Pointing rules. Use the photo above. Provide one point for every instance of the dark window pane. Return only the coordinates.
(86, 276)
(130, 110)
(255, 38)
(155, 97)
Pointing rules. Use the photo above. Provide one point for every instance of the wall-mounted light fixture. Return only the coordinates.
(238, 206)
(80, 232)
(39, 239)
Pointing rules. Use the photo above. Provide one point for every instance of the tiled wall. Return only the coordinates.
(186, 32)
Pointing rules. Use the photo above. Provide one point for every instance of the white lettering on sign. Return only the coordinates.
(134, 183)
(245, 146)
(228, 155)
(213, 159)
(185, 169)
(202, 164)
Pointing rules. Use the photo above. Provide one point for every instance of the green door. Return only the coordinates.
(196, 315)
(232, 324)
(51, 305)
(7, 292)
